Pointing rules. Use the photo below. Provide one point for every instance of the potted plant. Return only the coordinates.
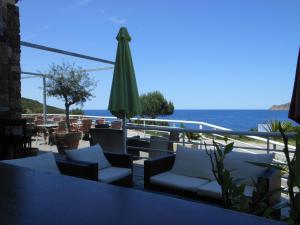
(74, 86)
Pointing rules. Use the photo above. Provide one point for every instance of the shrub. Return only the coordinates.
(154, 104)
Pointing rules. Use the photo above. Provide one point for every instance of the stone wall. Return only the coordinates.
(10, 83)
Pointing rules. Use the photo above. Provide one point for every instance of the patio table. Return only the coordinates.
(35, 198)
(48, 128)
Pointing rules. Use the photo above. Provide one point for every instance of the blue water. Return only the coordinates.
(232, 119)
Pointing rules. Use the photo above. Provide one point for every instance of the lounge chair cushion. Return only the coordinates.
(93, 154)
(236, 162)
(213, 190)
(111, 174)
(192, 163)
(43, 162)
(173, 180)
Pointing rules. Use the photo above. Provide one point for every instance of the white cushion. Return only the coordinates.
(213, 190)
(111, 174)
(236, 162)
(177, 181)
(43, 162)
(192, 163)
(93, 154)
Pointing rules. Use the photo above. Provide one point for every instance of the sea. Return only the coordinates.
(240, 120)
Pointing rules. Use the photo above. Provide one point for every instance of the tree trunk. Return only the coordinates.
(68, 116)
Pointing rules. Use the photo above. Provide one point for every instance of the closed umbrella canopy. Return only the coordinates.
(124, 97)
(294, 112)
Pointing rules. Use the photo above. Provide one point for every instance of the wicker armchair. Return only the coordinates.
(157, 144)
(116, 124)
(90, 171)
(86, 124)
(100, 121)
(111, 140)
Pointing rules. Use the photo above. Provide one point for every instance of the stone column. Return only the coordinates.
(10, 83)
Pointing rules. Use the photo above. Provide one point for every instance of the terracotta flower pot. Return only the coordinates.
(67, 141)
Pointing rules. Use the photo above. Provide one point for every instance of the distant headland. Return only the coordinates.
(285, 106)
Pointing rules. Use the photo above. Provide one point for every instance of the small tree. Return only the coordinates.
(154, 104)
(70, 83)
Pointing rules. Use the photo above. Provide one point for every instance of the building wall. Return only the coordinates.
(10, 83)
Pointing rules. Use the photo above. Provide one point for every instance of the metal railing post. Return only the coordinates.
(200, 128)
(268, 145)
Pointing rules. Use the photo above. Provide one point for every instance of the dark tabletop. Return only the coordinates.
(28, 197)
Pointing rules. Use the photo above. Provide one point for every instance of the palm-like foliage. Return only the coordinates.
(273, 125)
(292, 169)
(232, 192)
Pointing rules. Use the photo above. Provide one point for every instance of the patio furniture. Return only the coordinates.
(100, 121)
(112, 168)
(12, 138)
(37, 198)
(61, 126)
(46, 162)
(157, 144)
(189, 174)
(43, 162)
(31, 131)
(111, 140)
(57, 119)
(134, 145)
(82, 163)
(48, 130)
(106, 125)
(116, 124)
(73, 120)
(66, 141)
(173, 138)
(86, 125)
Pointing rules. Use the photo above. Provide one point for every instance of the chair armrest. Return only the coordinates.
(273, 178)
(156, 166)
(78, 169)
(119, 160)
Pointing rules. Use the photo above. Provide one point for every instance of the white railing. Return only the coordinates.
(214, 130)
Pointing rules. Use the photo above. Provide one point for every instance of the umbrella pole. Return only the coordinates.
(124, 134)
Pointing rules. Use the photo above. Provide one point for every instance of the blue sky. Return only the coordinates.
(208, 54)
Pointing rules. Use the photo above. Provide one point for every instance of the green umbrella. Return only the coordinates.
(124, 97)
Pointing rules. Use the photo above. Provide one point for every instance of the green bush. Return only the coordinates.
(154, 104)
(77, 111)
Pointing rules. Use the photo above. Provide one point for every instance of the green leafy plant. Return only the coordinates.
(70, 83)
(77, 111)
(154, 104)
(232, 192)
(192, 136)
(292, 169)
(273, 125)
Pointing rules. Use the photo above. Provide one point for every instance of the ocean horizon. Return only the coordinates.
(235, 119)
